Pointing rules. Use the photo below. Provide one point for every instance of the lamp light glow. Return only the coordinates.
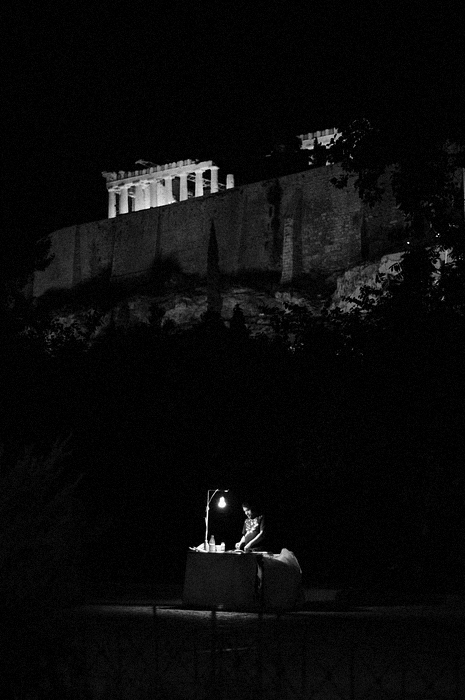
(221, 504)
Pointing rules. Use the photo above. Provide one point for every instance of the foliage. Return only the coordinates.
(69, 331)
(214, 300)
(425, 170)
(424, 165)
(18, 261)
(40, 521)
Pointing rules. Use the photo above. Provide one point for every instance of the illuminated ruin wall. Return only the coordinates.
(295, 224)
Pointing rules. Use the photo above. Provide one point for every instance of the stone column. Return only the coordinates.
(139, 198)
(229, 181)
(153, 194)
(183, 187)
(123, 200)
(214, 178)
(160, 194)
(169, 189)
(111, 204)
(145, 195)
(199, 183)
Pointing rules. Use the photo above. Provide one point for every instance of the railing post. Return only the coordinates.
(279, 656)
(403, 676)
(213, 684)
(155, 640)
(352, 670)
(303, 659)
(457, 655)
(259, 657)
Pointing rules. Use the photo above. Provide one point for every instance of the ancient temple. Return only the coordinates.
(159, 185)
(323, 138)
(293, 224)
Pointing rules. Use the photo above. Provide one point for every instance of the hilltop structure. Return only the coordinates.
(294, 225)
(159, 185)
(322, 138)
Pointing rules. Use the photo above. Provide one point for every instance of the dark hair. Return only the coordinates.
(251, 505)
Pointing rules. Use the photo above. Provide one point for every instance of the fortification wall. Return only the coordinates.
(295, 224)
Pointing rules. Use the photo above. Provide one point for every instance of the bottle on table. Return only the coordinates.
(211, 546)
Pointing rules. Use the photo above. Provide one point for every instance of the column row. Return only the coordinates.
(159, 192)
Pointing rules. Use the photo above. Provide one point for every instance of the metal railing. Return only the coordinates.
(228, 656)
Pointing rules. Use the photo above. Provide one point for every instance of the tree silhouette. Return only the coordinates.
(214, 299)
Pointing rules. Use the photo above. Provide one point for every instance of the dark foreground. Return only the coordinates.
(156, 649)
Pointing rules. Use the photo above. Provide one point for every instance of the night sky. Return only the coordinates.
(92, 91)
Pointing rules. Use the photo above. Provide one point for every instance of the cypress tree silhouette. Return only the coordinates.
(214, 300)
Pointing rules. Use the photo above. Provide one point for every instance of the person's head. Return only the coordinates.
(249, 509)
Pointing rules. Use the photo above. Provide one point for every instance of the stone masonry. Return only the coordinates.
(296, 225)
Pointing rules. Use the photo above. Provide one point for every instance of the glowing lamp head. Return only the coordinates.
(222, 502)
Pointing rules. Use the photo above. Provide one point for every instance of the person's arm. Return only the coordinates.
(241, 542)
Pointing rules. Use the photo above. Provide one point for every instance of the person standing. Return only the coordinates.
(253, 531)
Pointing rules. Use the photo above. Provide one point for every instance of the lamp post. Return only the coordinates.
(222, 504)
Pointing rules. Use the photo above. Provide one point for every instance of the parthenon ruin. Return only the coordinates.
(324, 138)
(293, 224)
(158, 185)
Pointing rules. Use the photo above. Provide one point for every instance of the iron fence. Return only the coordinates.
(167, 653)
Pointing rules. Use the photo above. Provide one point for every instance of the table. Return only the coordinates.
(242, 582)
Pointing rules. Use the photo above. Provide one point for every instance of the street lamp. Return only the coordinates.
(221, 504)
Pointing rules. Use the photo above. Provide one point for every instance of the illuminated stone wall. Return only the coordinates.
(295, 224)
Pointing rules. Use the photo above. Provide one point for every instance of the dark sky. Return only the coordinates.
(96, 90)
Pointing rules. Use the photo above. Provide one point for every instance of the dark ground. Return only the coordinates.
(151, 647)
